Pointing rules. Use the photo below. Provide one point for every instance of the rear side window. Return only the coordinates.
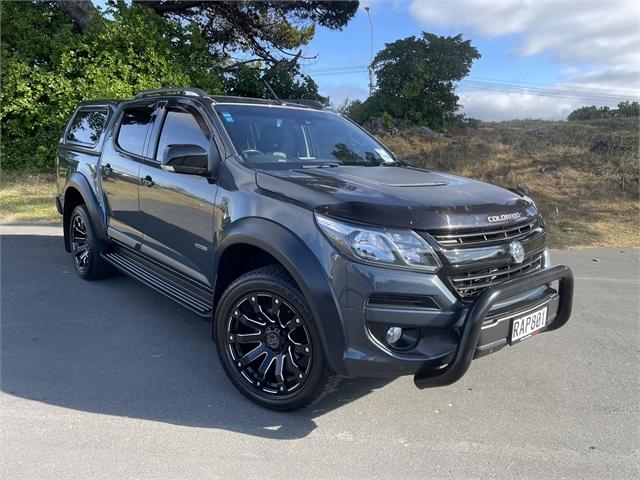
(133, 128)
(86, 127)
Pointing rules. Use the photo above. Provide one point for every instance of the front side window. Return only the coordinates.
(86, 127)
(183, 128)
(272, 137)
(133, 128)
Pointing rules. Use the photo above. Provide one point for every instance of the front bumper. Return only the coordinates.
(436, 373)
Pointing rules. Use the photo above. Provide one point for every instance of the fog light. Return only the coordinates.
(393, 335)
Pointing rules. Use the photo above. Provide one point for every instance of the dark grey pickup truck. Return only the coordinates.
(314, 251)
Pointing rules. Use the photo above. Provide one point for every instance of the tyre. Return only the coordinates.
(85, 246)
(268, 343)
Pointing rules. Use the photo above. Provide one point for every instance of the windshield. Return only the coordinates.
(280, 137)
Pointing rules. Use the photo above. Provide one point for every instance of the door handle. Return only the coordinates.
(107, 170)
(148, 181)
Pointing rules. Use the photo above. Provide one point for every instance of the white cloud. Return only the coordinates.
(499, 106)
(597, 40)
(576, 31)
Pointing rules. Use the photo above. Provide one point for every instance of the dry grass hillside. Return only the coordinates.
(583, 175)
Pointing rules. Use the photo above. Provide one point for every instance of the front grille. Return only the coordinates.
(471, 283)
(484, 237)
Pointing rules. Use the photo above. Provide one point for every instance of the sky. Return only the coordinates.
(540, 59)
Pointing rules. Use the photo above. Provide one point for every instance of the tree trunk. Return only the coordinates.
(79, 11)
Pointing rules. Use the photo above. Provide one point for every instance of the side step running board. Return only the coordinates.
(171, 284)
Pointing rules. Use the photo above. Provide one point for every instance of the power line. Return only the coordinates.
(545, 92)
(553, 90)
(525, 88)
(339, 70)
(589, 100)
(588, 89)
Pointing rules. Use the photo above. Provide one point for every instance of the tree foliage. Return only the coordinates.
(262, 30)
(416, 79)
(55, 55)
(49, 66)
(625, 109)
(250, 81)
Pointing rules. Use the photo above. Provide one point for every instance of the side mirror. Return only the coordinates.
(189, 159)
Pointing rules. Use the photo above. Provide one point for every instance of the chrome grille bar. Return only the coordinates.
(471, 284)
(471, 276)
(467, 238)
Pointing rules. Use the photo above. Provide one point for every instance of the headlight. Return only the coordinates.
(531, 208)
(381, 246)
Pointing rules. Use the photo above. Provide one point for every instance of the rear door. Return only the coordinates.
(177, 209)
(120, 165)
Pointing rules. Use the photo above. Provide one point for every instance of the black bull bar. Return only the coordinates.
(434, 374)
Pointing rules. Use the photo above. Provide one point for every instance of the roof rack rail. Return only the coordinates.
(307, 102)
(191, 92)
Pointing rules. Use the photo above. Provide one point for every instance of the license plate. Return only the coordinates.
(528, 324)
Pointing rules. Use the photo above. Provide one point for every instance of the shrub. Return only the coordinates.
(48, 66)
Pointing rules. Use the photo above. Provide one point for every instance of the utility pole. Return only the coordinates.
(371, 62)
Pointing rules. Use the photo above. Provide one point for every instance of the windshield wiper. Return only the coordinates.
(393, 163)
(323, 165)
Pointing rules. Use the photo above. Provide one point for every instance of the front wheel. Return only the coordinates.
(268, 343)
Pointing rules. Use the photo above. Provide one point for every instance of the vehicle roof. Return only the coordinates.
(114, 102)
(253, 101)
(302, 103)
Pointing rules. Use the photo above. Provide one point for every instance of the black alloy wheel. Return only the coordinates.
(79, 242)
(268, 342)
(85, 246)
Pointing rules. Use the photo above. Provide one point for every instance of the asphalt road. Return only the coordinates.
(108, 380)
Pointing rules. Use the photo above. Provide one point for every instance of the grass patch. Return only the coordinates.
(28, 198)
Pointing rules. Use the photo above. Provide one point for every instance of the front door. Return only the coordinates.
(120, 168)
(177, 209)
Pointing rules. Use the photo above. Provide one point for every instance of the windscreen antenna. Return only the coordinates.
(275, 97)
